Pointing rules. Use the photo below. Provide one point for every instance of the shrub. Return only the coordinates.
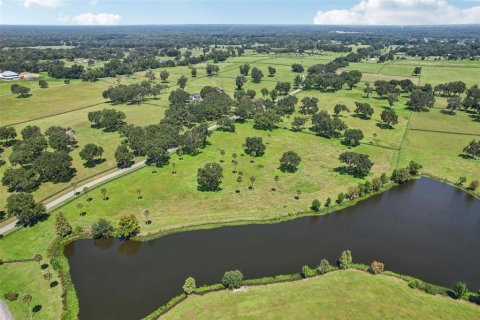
(324, 266)
(460, 290)
(308, 272)
(128, 226)
(328, 202)
(414, 284)
(400, 175)
(345, 260)
(474, 185)
(430, 289)
(340, 198)
(414, 167)
(11, 296)
(315, 205)
(102, 229)
(232, 279)
(190, 285)
(377, 267)
(62, 227)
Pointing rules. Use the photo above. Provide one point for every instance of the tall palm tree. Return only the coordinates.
(146, 213)
(235, 164)
(252, 180)
(104, 193)
(222, 153)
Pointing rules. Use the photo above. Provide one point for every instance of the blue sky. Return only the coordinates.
(128, 12)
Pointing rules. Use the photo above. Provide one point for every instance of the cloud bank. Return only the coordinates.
(43, 3)
(97, 19)
(400, 12)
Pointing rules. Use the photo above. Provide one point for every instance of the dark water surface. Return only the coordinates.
(424, 228)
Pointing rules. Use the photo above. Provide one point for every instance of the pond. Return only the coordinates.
(424, 228)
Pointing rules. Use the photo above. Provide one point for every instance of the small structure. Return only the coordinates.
(195, 97)
(9, 76)
(29, 76)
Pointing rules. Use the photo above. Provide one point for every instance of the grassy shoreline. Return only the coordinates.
(293, 278)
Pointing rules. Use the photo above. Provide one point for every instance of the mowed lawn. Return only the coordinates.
(337, 295)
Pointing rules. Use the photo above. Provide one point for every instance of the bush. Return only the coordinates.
(190, 285)
(102, 229)
(400, 175)
(430, 289)
(414, 284)
(308, 272)
(315, 205)
(340, 198)
(324, 266)
(128, 226)
(460, 290)
(473, 185)
(232, 279)
(345, 260)
(62, 227)
(377, 267)
(11, 296)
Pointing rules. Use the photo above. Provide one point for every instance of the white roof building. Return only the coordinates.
(9, 76)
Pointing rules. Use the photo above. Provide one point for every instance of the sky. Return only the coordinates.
(135, 12)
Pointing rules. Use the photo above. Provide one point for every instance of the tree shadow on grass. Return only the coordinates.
(385, 126)
(36, 309)
(475, 117)
(53, 284)
(448, 112)
(93, 163)
(466, 156)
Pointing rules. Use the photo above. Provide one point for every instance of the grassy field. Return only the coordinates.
(174, 200)
(337, 295)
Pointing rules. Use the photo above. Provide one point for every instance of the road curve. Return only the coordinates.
(112, 175)
(91, 184)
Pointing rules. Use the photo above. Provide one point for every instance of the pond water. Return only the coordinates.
(424, 228)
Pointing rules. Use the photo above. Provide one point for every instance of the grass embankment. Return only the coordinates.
(337, 295)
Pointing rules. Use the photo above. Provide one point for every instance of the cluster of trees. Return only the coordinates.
(108, 119)
(324, 78)
(403, 175)
(450, 88)
(36, 164)
(133, 93)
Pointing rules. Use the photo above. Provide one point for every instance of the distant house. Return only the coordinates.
(29, 76)
(9, 76)
(195, 97)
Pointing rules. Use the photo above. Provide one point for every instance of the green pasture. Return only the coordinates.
(337, 295)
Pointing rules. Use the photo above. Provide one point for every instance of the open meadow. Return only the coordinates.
(434, 139)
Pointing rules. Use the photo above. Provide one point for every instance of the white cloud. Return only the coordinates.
(400, 12)
(97, 19)
(43, 3)
(62, 18)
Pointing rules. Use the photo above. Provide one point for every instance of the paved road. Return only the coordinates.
(4, 312)
(91, 184)
(117, 173)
